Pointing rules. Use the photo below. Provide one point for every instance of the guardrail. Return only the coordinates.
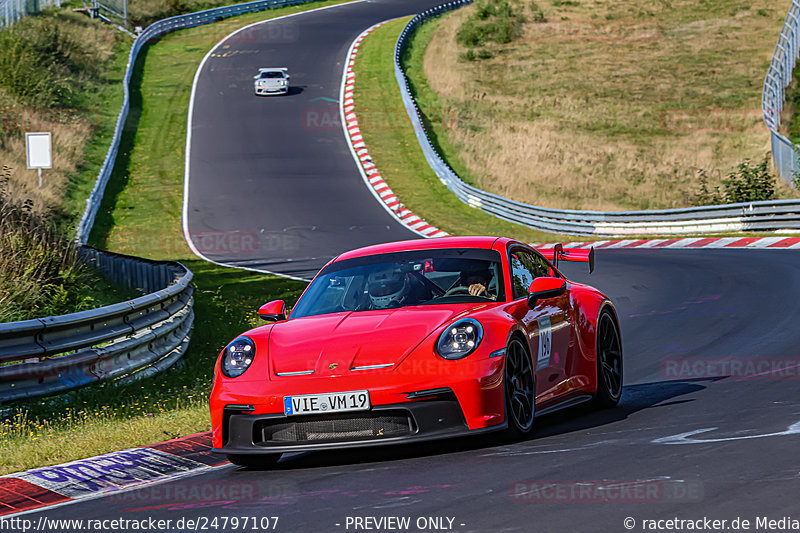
(143, 336)
(750, 216)
(155, 30)
(779, 76)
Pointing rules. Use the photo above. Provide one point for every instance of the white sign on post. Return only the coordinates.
(38, 152)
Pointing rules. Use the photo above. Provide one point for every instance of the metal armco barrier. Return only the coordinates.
(155, 30)
(779, 76)
(143, 335)
(751, 216)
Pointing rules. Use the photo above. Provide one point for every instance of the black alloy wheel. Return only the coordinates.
(520, 392)
(609, 361)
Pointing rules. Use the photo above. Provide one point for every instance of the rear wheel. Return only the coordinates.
(519, 389)
(609, 362)
(254, 461)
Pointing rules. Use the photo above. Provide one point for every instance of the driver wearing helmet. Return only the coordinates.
(388, 288)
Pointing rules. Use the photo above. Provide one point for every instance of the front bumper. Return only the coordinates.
(474, 386)
(275, 90)
(382, 425)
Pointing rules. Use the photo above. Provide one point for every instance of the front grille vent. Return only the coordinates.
(335, 427)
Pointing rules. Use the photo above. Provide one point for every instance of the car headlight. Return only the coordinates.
(238, 356)
(460, 339)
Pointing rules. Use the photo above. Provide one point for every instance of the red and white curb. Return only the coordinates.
(105, 474)
(774, 243)
(358, 148)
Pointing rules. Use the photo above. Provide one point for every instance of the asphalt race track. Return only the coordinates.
(705, 428)
(686, 441)
(276, 172)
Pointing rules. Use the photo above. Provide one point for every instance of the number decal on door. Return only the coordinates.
(545, 343)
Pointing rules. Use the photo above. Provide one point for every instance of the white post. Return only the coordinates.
(40, 177)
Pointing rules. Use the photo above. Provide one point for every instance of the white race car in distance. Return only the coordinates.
(272, 80)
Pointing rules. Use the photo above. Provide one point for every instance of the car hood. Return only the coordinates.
(338, 343)
(270, 82)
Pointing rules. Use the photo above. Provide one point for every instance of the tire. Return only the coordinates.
(609, 362)
(519, 389)
(256, 461)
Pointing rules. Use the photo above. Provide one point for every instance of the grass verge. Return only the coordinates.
(394, 148)
(593, 105)
(141, 215)
(393, 145)
(59, 72)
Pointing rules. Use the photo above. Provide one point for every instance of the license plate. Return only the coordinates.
(332, 402)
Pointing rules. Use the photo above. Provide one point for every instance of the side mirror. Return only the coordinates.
(255, 77)
(274, 311)
(544, 288)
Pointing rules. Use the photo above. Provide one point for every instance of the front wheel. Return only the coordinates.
(609, 362)
(519, 389)
(256, 461)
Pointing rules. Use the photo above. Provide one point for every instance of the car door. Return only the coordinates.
(547, 324)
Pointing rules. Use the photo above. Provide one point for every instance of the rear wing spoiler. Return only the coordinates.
(577, 255)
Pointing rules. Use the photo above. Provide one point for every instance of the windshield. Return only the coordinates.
(272, 74)
(386, 281)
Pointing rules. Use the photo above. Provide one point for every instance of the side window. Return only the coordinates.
(543, 266)
(525, 268)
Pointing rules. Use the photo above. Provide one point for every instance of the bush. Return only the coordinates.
(747, 183)
(704, 194)
(538, 14)
(494, 20)
(473, 34)
(40, 272)
(750, 183)
(42, 65)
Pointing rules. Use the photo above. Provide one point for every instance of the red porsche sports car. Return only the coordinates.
(417, 340)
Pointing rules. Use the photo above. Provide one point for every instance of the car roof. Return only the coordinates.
(273, 69)
(486, 242)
